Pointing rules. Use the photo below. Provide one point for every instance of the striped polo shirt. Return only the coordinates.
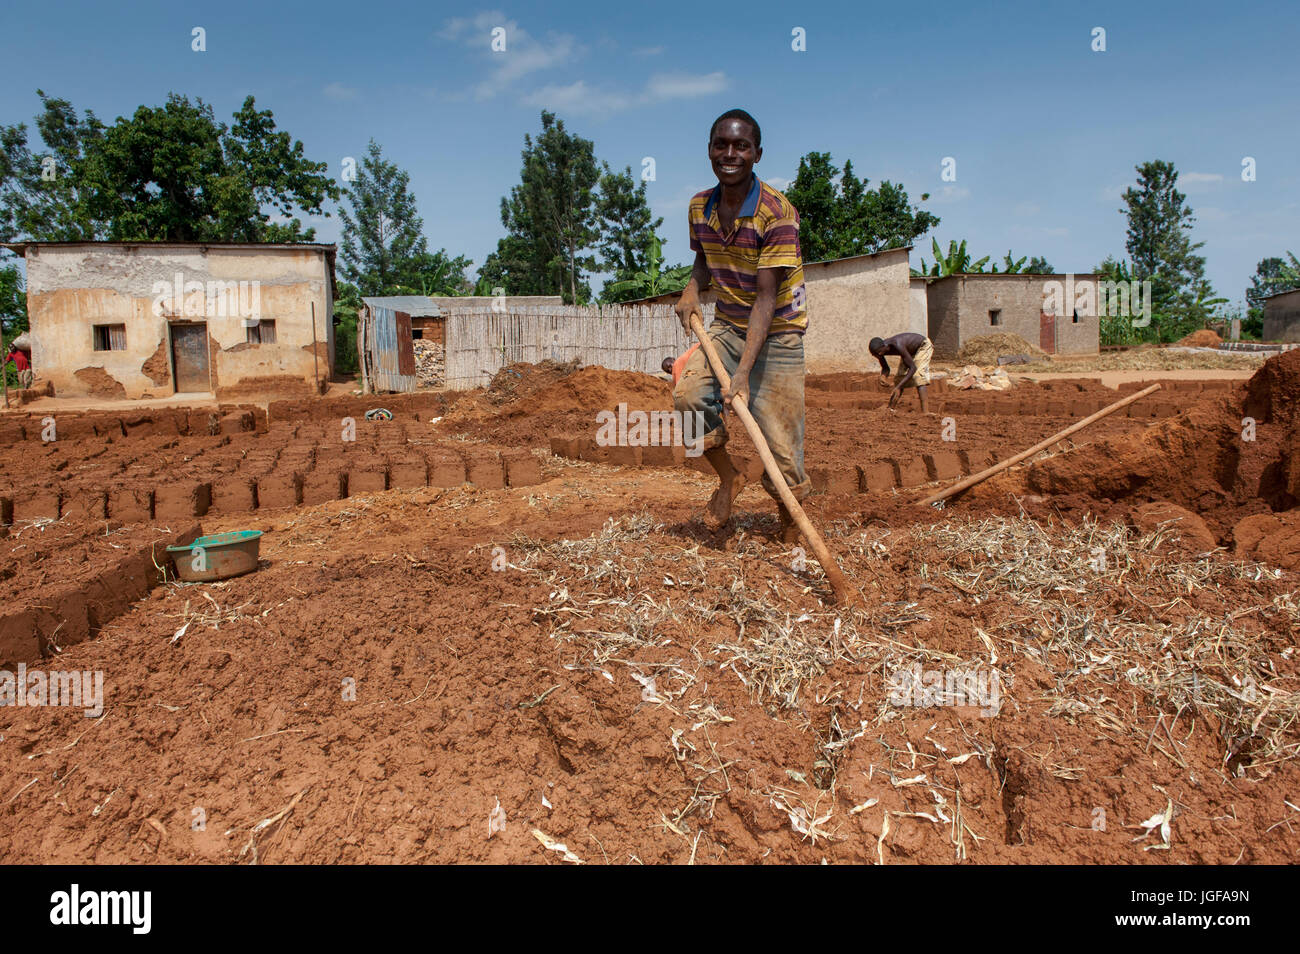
(766, 235)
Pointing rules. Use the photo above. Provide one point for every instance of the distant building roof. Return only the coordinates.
(850, 258)
(417, 306)
(21, 247)
(1279, 294)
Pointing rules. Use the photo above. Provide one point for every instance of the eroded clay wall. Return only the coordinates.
(851, 301)
(73, 288)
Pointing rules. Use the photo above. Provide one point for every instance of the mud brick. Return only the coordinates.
(483, 469)
(445, 469)
(366, 480)
(199, 423)
(109, 427)
(130, 506)
(19, 642)
(1080, 408)
(236, 423)
(834, 480)
(181, 499)
(407, 474)
(12, 432)
(6, 511)
(40, 505)
(589, 450)
(625, 456)
(522, 468)
(876, 478)
(62, 619)
(234, 495)
(564, 446)
(669, 455)
(974, 461)
(85, 504)
(280, 488)
(1056, 408)
(910, 472)
(942, 465)
(323, 485)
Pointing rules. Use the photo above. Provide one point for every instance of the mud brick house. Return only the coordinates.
(850, 301)
(1058, 313)
(148, 319)
(1282, 316)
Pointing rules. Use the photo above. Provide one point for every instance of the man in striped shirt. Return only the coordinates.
(746, 240)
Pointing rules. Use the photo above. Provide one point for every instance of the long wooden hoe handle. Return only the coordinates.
(838, 584)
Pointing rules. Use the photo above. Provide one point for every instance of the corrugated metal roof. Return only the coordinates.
(417, 306)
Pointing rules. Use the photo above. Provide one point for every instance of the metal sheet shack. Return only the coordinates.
(385, 351)
(148, 319)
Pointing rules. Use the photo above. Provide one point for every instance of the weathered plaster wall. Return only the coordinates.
(959, 307)
(73, 288)
(1282, 317)
(851, 301)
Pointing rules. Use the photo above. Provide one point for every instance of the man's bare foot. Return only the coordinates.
(789, 529)
(718, 511)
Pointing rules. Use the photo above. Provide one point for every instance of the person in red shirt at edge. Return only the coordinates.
(22, 364)
(745, 235)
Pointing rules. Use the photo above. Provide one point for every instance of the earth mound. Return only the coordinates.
(1205, 338)
(522, 390)
(986, 349)
(1223, 458)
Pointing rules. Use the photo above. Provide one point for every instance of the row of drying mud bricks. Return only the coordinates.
(296, 479)
(874, 477)
(170, 422)
(308, 476)
(43, 625)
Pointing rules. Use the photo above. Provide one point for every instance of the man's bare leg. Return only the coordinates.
(730, 483)
(790, 532)
(925, 405)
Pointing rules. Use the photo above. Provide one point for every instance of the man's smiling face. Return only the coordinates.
(733, 153)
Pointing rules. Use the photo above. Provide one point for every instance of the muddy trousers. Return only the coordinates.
(775, 398)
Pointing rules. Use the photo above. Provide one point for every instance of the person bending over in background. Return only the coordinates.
(914, 353)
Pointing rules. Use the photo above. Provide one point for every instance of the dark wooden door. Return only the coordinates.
(190, 357)
(1047, 332)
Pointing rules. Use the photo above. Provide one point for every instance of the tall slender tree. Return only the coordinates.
(384, 250)
(627, 228)
(550, 217)
(1160, 246)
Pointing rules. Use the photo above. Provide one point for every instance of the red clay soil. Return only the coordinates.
(1205, 338)
(384, 689)
(1224, 458)
(580, 652)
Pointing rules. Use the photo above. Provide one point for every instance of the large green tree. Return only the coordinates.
(839, 216)
(1161, 249)
(629, 243)
(550, 218)
(168, 173)
(383, 250)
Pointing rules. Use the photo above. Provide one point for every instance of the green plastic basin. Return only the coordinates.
(217, 556)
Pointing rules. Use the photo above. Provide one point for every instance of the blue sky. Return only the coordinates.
(1045, 131)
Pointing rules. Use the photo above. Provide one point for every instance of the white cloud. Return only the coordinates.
(950, 193)
(579, 97)
(576, 98)
(1026, 209)
(778, 183)
(1113, 193)
(1199, 181)
(523, 54)
(684, 86)
(341, 93)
